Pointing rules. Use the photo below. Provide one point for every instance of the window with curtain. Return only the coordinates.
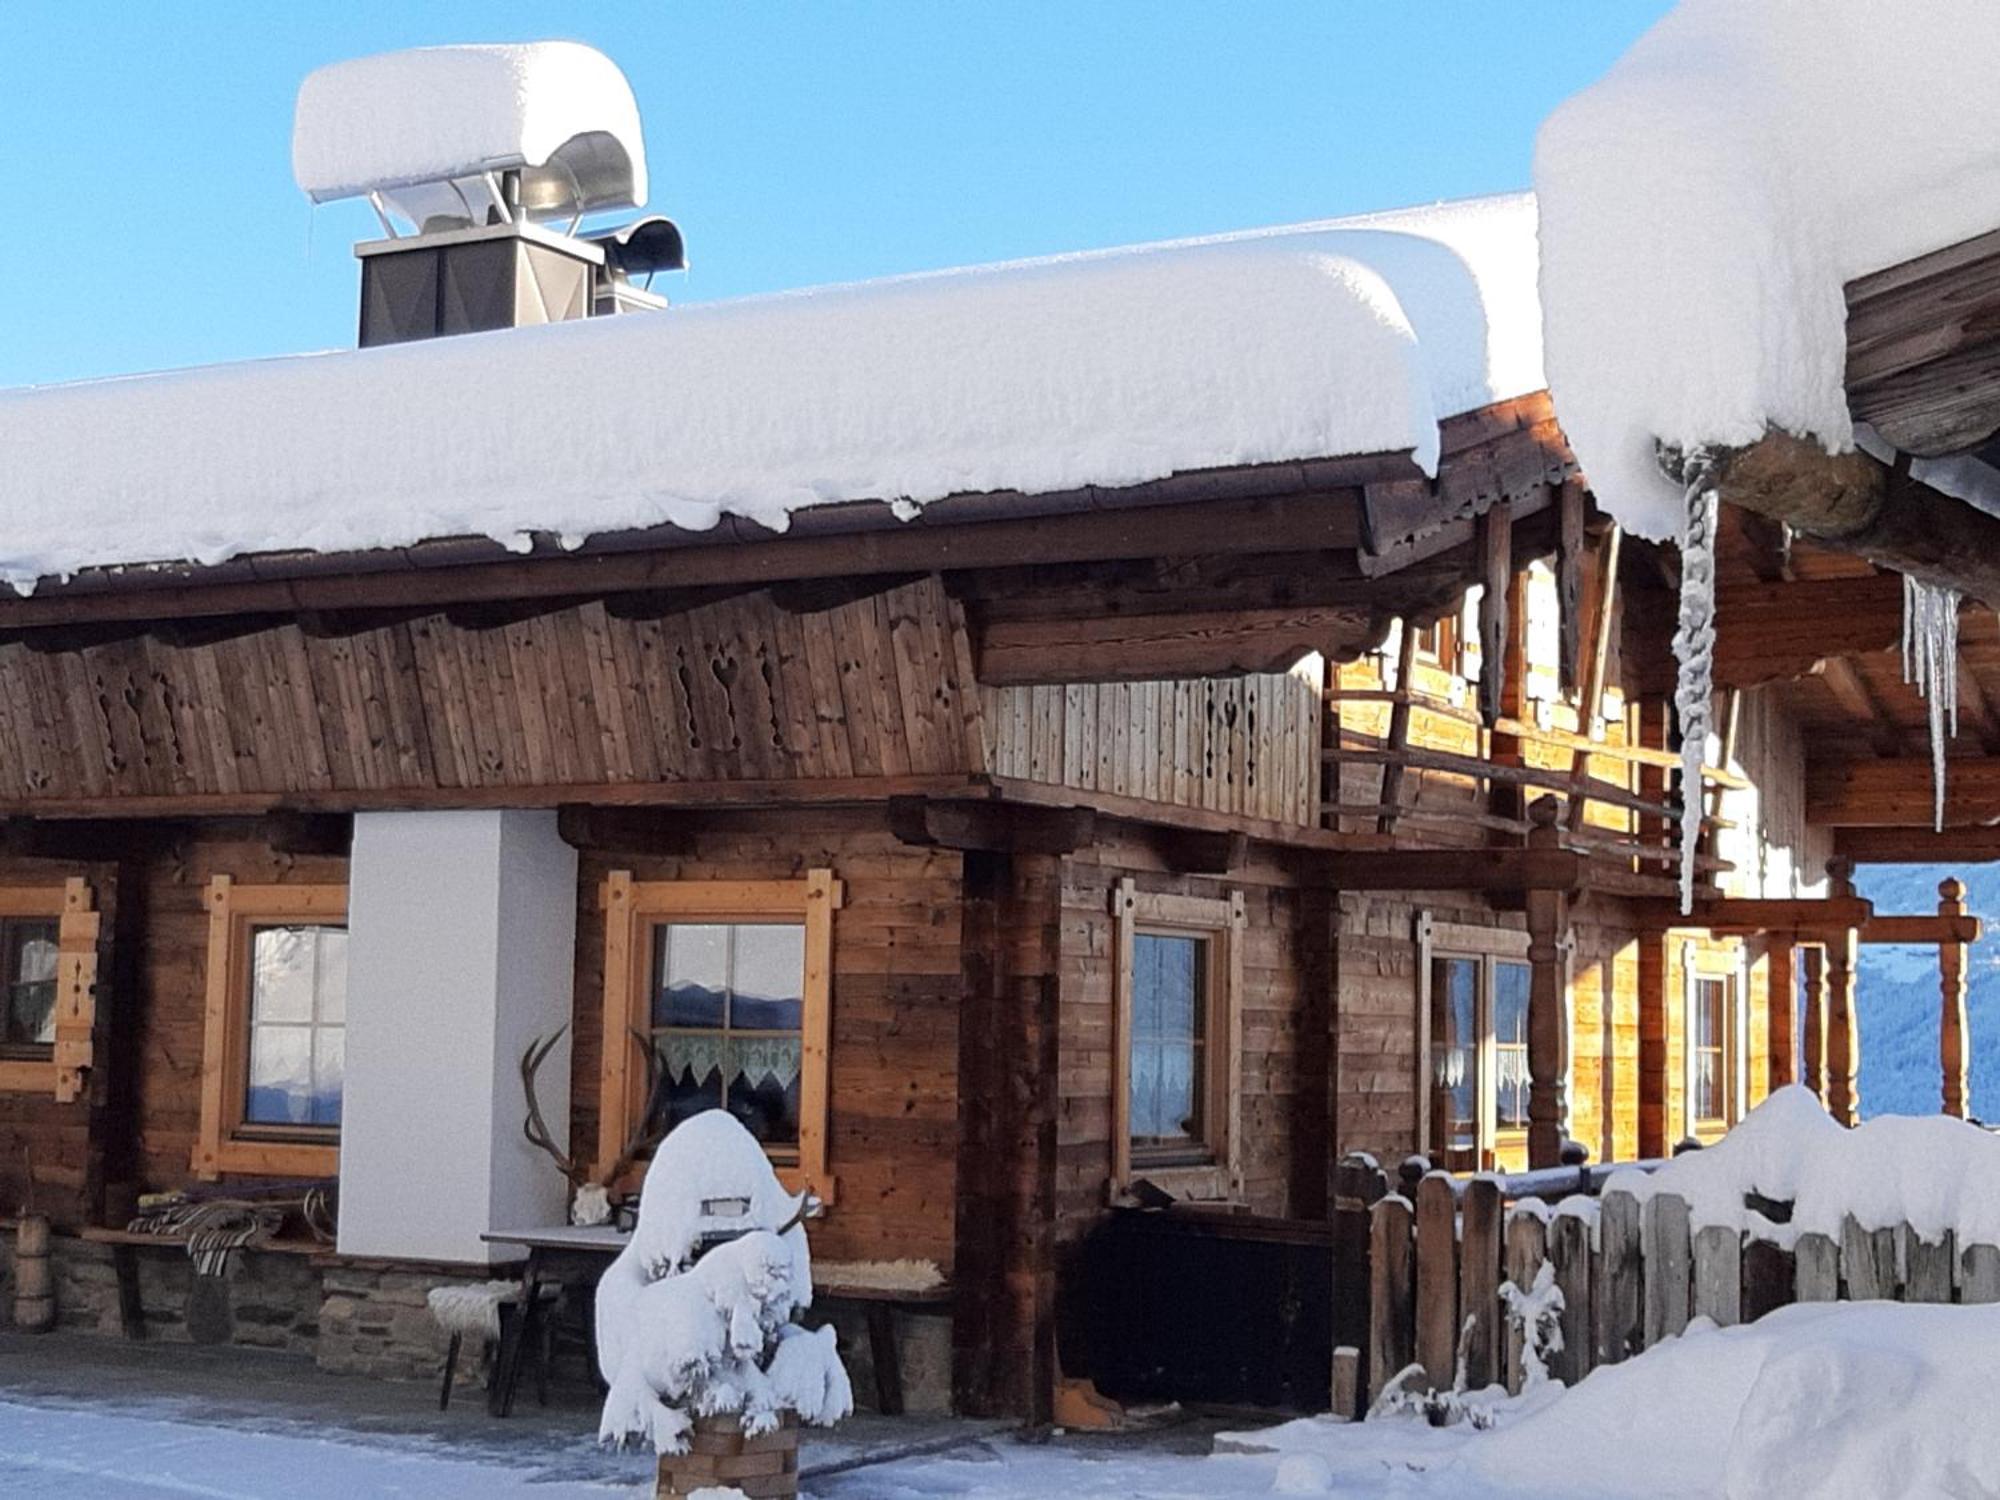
(1455, 1059)
(1510, 1044)
(1168, 1045)
(1709, 1018)
(1475, 987)
(728, 1023)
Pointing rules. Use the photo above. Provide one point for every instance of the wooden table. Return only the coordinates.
(565, 1254)
(559, 1254)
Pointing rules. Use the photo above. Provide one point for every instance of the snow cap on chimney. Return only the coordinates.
(440, 135)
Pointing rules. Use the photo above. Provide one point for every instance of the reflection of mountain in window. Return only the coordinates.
(727, 1019)
(298, 1032)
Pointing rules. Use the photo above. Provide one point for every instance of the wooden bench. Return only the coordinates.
(125, 1245)
(880, 1306)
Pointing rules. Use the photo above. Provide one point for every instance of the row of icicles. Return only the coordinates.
(1930, 658)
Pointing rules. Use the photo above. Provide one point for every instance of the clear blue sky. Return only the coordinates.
(154, 221)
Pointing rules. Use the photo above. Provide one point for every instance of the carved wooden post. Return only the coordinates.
(1843, 1037)
(1782, 989)
(1548, 1029)
(1954, 1054)
(1812, 1038)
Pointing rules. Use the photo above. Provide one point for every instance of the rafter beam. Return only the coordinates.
(1770, 632)
(1852, 503)
(1896, 793)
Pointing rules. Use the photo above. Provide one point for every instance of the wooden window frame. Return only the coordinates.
(1487, 947)
(1727, 969)
(630, 908)
(226, 1143)
(70, 905)
(1220, 921)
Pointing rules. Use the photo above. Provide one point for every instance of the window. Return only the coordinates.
(1475, 1008)
(28, 948)
(48, 985)
(1174, 1094)
(729, 983)
(728, 1023)
(1436, 642)
(274, 1030)
(1713, 1031)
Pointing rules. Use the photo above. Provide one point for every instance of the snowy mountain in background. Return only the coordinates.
(1898, 995)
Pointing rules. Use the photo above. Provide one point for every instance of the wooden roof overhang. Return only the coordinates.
(1218, 571)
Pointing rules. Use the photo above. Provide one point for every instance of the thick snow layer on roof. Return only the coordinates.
(437, 112)
(1110, 368)
(1704, 203)
(1931, 1172)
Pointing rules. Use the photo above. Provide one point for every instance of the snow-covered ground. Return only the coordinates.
(1829, 1400)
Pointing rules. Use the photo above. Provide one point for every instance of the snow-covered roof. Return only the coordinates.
(1703, 205)
(1110, 368)
(434, 113)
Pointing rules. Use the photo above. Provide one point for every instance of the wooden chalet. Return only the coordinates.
(1127, 845)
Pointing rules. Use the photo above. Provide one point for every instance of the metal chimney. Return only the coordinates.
(469, 157)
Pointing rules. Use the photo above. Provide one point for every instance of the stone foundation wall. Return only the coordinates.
(374, 1321)
(923, 1344)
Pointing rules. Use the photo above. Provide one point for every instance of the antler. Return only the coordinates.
(644, 1136)
(535, 1128)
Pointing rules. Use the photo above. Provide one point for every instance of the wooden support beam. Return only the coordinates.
(1954, 1042)
(1496, 870)
(1923, 350)
(1399, 728)
(1495, 549)
(1812, 1020)
(1946, 927)
(1773, 632)
(1852, 503)
(1897, 793)
(1748, 914)
(1917, 846)
(1008, 828)
(1548, 1024)
(1201, 851)
(298, 833)
(1571, 504)
(1144, 648)
(1843, 1036)
(624, 830)
(1781, 992)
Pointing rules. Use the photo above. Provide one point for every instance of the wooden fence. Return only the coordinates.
(1630, 1274)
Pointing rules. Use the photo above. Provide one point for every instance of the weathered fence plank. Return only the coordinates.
(1979, 1279)
(1664, 1230)
(1621, 1280)
(1927, 1265)
(1569, 1251)
(1358, 1185)
(1479, 1281)
(1437, 1280)
(1718, 1275)
(1391, 1324)
(1527, 1248)
(1867, 1261)
(1769, 1275)
(1347, 1382)
(1818, 1259)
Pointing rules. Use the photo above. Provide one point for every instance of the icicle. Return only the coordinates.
(1694, 649)
(1930, 664)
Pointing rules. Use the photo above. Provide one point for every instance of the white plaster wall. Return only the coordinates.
(461, 936)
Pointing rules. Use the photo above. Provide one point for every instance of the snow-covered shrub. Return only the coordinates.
(686, 1331)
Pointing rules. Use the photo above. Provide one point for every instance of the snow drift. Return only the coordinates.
(1931, 1172)
(1703, 205)
(1111, 368)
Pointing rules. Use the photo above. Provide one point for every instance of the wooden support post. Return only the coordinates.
(1590, 703)
(1954, 1048)
(1571, 501)
(1812, 1029)
(1548, 1029)
(1496, 572)
(1843, 1035)
(1781, 991)
(1399, 726)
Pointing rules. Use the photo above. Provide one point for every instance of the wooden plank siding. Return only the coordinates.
(736, 690)
(1247, 745)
